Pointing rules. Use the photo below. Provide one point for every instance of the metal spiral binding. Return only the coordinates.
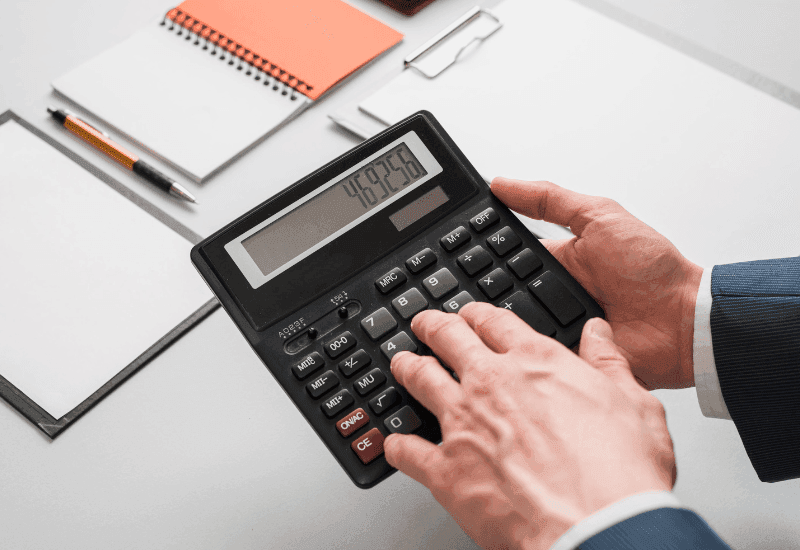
(184, 25)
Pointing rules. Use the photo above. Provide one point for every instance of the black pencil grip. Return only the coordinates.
(153, 175)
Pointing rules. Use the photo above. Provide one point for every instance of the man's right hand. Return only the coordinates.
(646, 287)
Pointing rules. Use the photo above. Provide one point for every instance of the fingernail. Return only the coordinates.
(599, 328)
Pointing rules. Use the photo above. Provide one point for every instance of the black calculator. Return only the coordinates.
(324, 278)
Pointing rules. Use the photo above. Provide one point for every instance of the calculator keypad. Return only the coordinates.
(389, 281)
(474, 260)
(457, 302)
(339, 344)
(351, 423)
(381, 403)
(409, 303)
(504, 241)
(323, 384)
(369, 446)
(403, 421)
(308, 366)
(397, 343)
(522, 304)
(524, 264)
(355, 363)
(556, 298)
(440, 283)
(359, 392)
(336, 404)
(458, 237)
(495, 283)
(379, 323)
(484, 220)
(369, 382)
(421, 260)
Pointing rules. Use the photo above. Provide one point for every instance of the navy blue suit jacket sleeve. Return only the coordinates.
(755, 331)
(662, 529)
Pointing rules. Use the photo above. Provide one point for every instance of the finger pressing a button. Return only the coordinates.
(500, 329)
(451, 339)
(427, 381)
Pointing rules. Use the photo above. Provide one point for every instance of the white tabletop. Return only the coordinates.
(202, 449)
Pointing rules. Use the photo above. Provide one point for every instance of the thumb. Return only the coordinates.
(542, 200)
(599, 350)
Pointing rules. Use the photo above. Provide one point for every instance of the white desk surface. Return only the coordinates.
(202, 449)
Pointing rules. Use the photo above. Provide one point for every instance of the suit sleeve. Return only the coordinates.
(755, 328)
(661, 529)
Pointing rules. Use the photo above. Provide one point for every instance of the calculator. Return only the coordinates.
(324, 278)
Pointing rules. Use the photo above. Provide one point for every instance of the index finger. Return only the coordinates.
(451, 339)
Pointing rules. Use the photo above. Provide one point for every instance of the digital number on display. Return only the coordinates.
(383, 177)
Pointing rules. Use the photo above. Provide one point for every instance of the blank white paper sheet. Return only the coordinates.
(90, 280)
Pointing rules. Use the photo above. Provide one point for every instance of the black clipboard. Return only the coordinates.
(52, 427)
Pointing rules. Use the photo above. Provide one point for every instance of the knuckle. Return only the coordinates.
(607, 205)
(435, 323)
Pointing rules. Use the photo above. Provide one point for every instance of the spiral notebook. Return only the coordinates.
(211, 79)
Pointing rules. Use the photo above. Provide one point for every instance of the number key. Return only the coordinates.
(440, 283)
(379, 323)
(337, 346)
(457, 302)
(409, 303)
(397, 343)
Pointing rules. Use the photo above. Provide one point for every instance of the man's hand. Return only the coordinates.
(535, 438)
(646, 287)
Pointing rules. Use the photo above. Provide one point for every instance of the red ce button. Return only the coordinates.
(369, 446)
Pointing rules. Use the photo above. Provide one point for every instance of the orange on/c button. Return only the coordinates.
(369, 446)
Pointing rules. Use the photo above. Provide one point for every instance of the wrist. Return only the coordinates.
(691, 286)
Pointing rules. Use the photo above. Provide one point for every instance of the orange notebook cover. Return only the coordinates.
(308, 44)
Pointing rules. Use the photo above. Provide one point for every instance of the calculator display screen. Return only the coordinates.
(342, 203)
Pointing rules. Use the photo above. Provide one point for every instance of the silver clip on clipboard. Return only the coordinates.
(445, 49)
(429, 60)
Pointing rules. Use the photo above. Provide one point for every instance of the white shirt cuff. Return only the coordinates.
(614, 514)
(706, 381)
